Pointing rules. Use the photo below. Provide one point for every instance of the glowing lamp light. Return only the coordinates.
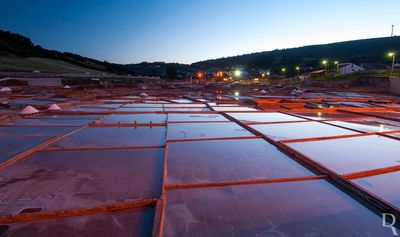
(319, 114)
(297, 68)
(237, 93)
(336, 62)
(324, 62)
(283, 69)
(391, 54)
(381, 127)
(238, 73)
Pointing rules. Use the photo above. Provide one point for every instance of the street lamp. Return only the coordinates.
(237, 73)
(283, 71)
(200, 75)
(393, 55)
(325, 63)
(298, 69)
(337, 66)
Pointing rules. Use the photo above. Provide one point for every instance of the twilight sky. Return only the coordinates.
(186, 31)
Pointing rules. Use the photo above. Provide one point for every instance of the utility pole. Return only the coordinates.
(393, 55)
(391, 35)
(391, 73)
(337, 67)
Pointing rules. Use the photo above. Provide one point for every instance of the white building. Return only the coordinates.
(346, 68)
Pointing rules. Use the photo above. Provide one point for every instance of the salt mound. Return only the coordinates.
(29, 110)
(54, 107)
(5, 89)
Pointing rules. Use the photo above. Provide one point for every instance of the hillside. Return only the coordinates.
(357, 51)
(14, 63)
(17, 52)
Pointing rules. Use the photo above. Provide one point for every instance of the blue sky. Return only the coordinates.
(187, 31)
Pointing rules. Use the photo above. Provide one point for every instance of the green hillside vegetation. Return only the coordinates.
(42, 64)
(373, 51)
(14, 45)
(17, 52)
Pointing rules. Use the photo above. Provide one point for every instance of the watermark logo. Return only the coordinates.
(389, 220)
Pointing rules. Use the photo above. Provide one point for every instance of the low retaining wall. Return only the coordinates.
(395, 85)
(380, 83)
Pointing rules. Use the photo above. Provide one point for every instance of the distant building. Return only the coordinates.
(346, 68)
(317, 73)
(18, 81)
(40, 81)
